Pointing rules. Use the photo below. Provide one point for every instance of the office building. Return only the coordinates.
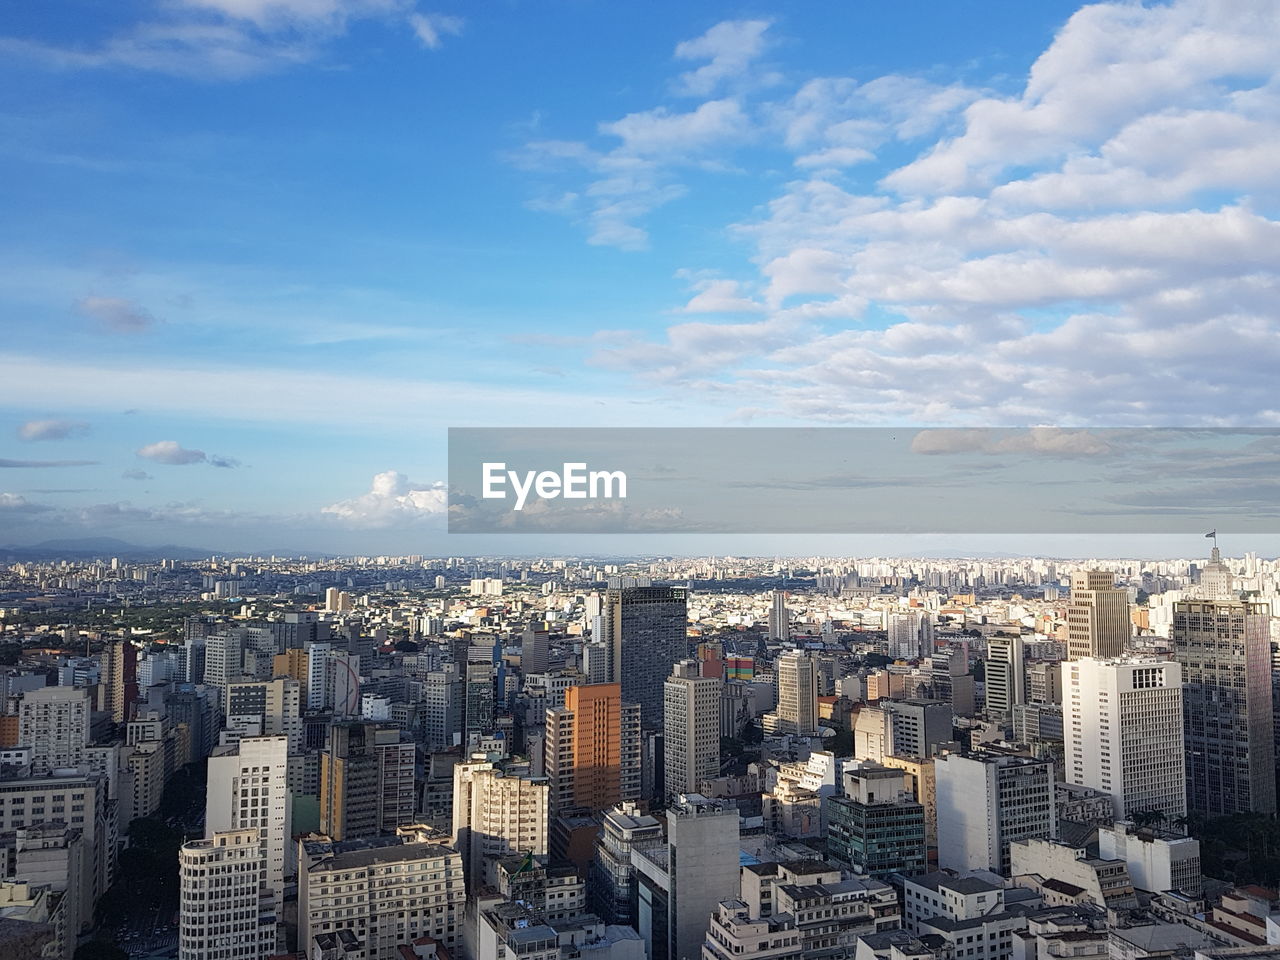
(797, 712)
(876, 828)
(248, 789)
(366, 780)
(612, 886)
(1123, 729)
(496, 814)
(1224, 648)
(1097, 616)
(691, 739)
(226, 911)
(647, 630)
(592, 749)
(987, 801)
(1005, 676)
(779, 617)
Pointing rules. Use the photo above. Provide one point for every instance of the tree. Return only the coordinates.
(752, 735)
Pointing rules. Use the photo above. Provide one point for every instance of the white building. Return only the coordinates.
(495, 815)
(797, 712)
(224, 911)
(987, 801)
(1005, 675)
(1123, 729)
(1156, 864)
(691, 723)
(1098, 622)
(248, 789)
(54, 723)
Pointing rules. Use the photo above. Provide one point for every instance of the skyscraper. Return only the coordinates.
(1006, 675)
(1123, 731)
(592, 749)
(797, 675)
(534, 643)
(122, 674)
(222, 880)
(1097, 616)
(779, 618)
(691, 737)
(1224, 648)
(496, 814)
(647, 629)
(248, 790)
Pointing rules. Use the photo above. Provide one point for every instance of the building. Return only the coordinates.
(1122, 725)
(1156, 864)
(374, 888)
(1006, 676)
(1098, 622)
(248, 790)
(680, 883)
(797, 712)
(54, 723)
(592, 749)
(122, 673)
(496, 814)
(1104, 881)
(226, 911)
(612, 885)
(924, 788)
(877, 828)
(779, 618)
(987, 801)
(1224, 647)
(534, 649)
(916, 727)
(366, 780)
(647, 629)
(691, 725)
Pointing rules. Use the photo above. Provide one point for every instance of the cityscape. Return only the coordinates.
(388, 758)
(590, 480)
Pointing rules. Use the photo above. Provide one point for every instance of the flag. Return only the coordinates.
(1211, 535)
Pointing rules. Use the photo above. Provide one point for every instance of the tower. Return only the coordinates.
(1006, 675)
(797, 674)
(592, 749)
(647, 628)
(691, 731)
(1097, 616)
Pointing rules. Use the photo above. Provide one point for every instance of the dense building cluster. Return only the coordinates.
(677, 759)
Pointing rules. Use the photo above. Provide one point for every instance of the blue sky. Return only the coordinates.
(259, 254)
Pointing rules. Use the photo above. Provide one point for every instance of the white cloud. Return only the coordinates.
(392, 499)
(172, 453)
(116, 314)
(52, 429)
(719, 295)
(731, 47)
(230, 39)
(431, 28)
(15, 503)
(1099, 247)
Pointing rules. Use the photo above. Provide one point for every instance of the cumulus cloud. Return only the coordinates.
(115, 314)
(172, 453)
(392, 499)
(1098, 245)
(136, 474)
(52, 429)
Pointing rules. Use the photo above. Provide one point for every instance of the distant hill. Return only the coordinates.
(89, 548)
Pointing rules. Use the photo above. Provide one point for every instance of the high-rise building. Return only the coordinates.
(534, 649)
(1224, 648)
(294, 663)
(877, 828)
(691, 729)
(985, 802)
(681, 883)
(1097, 616)
(1216, 581)
(224, 657)
(122, 671)
(612, 880)
(779, 618)
(916, 727)
(54, 723)
(248, 790)
(1005, 675)
(495, 815)
(647, 628)
(361, 781)
(387, 891)
(276, 704)
(592, 749)
(225, 908)
(797, 712)
(1123, 729)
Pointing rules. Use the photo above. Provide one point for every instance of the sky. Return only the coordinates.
(258, 255)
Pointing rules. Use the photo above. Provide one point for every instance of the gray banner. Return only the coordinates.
(863, 480)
